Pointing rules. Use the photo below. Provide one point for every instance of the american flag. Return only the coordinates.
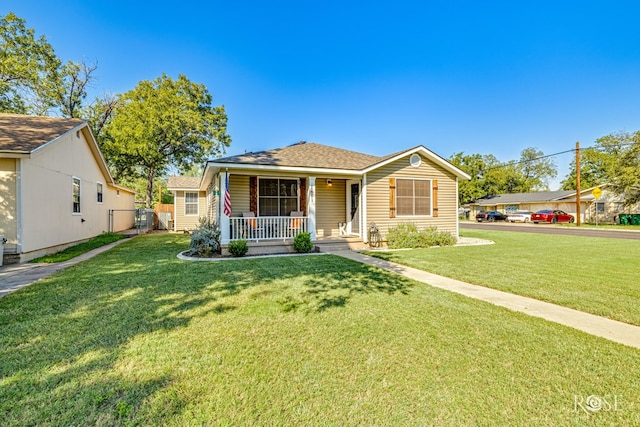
(227, 197)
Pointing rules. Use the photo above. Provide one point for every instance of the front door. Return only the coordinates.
(353, 207)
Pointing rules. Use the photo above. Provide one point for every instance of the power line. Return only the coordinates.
(514, 163)
(573, 150)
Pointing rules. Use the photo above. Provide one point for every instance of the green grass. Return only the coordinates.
(595, 275)
(79, 249)
(135, 336)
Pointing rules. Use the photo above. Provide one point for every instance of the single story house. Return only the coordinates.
(604, 209)
(326, 191)
(55, 188)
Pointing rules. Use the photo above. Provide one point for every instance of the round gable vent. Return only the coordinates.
(415, 160)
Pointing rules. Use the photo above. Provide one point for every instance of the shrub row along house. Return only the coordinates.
(329, 192)
(55, 188)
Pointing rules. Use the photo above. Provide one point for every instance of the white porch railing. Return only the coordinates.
(267, 227)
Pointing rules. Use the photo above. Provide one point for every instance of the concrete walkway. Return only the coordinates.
(16, 276)
(613, 330)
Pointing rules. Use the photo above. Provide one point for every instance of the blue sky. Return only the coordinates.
(376, 77)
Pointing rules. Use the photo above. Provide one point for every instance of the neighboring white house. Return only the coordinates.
(55, 188)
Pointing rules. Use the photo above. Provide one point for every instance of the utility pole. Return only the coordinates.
(578, 184)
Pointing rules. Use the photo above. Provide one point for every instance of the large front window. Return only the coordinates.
(413, 197)
(277, 197)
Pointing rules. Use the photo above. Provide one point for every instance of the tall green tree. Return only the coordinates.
(489, 176)
(593, 169)
(33, 80)
(620, 154)
(536, 170)
(71, 93)
(163, 123)
(29, 69)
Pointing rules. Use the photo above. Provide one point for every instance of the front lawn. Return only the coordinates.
(595, 275)
(135, 336)
(80, 248)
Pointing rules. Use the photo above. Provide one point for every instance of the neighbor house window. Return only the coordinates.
(99, 192)
(277, 197)
(413, 197)
(599, 206)
(191, 203)
(76, 195)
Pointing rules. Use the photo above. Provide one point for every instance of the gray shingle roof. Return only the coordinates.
(308, 154)
(24, 134)
(540, 196)
(185, 182)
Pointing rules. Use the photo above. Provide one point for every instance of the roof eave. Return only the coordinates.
(120, 187)
(11, 154)
(218, 166)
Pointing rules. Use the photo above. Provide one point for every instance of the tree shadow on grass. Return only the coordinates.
(63, 340)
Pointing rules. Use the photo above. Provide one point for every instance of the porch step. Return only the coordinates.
(271, 247)
(331, 245)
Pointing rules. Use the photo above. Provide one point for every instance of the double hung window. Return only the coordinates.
(191, 203)
(277, 197)
(413, 197)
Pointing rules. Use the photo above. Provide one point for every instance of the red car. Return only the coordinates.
(551, 216)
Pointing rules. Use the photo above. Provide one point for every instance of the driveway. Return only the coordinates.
(551, 229)
(16, 276)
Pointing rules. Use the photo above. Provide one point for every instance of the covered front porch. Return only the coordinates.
(271, 210)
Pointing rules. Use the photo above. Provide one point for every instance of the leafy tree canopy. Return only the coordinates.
(33, 80)
(29, 69)
(614, 160)
(163, 123)
(489, 176)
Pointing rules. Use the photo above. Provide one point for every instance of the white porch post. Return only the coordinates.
(311, 206)
(364, 230)
(224, 219)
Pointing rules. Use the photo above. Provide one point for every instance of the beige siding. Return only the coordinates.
(46, 192)
(8, 213)
(188, 222)
(377, 188)
(331, 206)
(124, 216)
(239, 191)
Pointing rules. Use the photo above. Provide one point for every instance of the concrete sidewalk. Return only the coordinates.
(16, 276)
(613, 330)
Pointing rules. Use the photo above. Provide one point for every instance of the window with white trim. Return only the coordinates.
(76, 195)
(413, 197)
(191, 203)
(277, 197)
(99, 192)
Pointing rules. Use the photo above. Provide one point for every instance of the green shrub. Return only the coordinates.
(439, 238)
(205, 240)
(407, 235)
(238, 248)
(302, 243)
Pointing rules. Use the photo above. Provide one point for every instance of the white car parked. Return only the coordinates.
(520, 216)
